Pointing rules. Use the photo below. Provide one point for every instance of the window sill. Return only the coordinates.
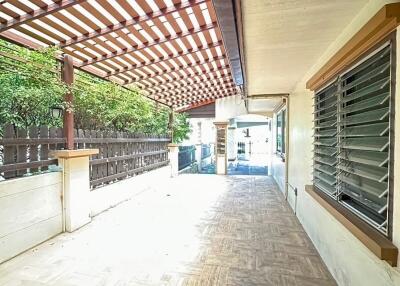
(380, 245)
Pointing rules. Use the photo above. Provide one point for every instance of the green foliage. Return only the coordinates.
(181, 127)
(30, 86)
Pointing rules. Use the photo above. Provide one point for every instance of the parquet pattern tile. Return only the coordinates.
(253, 238)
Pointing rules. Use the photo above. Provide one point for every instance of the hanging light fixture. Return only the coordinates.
(56, 112)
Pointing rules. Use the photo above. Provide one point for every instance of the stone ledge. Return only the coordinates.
(73, 153)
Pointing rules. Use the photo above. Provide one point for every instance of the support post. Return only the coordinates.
(171, 125)
(199, 146)
(221, 156)
(232, 144)
(68, 78)
(173, 155)
(198, 156)
(76, 186)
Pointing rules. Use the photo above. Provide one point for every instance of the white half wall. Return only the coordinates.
(30, 212)
(349, 261)
(103, 198)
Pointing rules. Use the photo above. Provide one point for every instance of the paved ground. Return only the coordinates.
(195, 230)
(253, 165)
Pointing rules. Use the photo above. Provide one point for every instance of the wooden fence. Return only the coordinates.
(122, 155)
(24, 151)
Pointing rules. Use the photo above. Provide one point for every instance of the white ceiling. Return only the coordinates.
(284, 38)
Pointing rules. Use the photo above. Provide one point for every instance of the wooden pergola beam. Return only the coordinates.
(163, 59)
(149, 44)
(209, 76)
(195, 82)
(195, 105)
(39, 13)
(199, 94)
(196, 101)
(216, 94)
(180, 76)
(196, 87)
(136, 20)
(196, 73)
(179, 67)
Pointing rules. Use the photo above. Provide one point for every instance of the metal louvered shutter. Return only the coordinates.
(364, 138)
(352, 141)
(325, 141)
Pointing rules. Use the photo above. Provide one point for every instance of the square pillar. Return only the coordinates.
(173, 155)
(232, 144)
(221, 156)
(198, 155)
(76, 186)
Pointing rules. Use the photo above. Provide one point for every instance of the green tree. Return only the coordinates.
(30, 85)
(181, 127)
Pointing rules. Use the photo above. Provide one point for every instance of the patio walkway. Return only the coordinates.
(193, 230)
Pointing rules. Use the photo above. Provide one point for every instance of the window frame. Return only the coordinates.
(390, 40)
(281, 114)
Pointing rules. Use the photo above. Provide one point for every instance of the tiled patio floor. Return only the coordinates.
(193, 230)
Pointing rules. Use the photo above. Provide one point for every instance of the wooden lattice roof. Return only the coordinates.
(173, 50)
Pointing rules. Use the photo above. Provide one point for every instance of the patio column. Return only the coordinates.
(76, 186)
(173, 155)
(232, 144)
(198, 155)
(198, 146)
(221, 158)
(68, 78)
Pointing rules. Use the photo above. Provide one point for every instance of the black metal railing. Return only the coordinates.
(186, 156)
(205, 151)
(241, 148)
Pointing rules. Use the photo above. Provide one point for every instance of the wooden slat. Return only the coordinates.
(188, 72)
(44, 148)
(60, 5)
(194, 81)
(21, 150)
(195, 87)
(201, 93)
(133, 21)
(147, 45)
(22, 167)
(33, 148)
(132, 172)
(9, 151)
(212, 94)
(125, 157)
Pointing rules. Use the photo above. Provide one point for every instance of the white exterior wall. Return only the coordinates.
(30, 212)
(350, 262)
(229, 107)
(207, 135)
